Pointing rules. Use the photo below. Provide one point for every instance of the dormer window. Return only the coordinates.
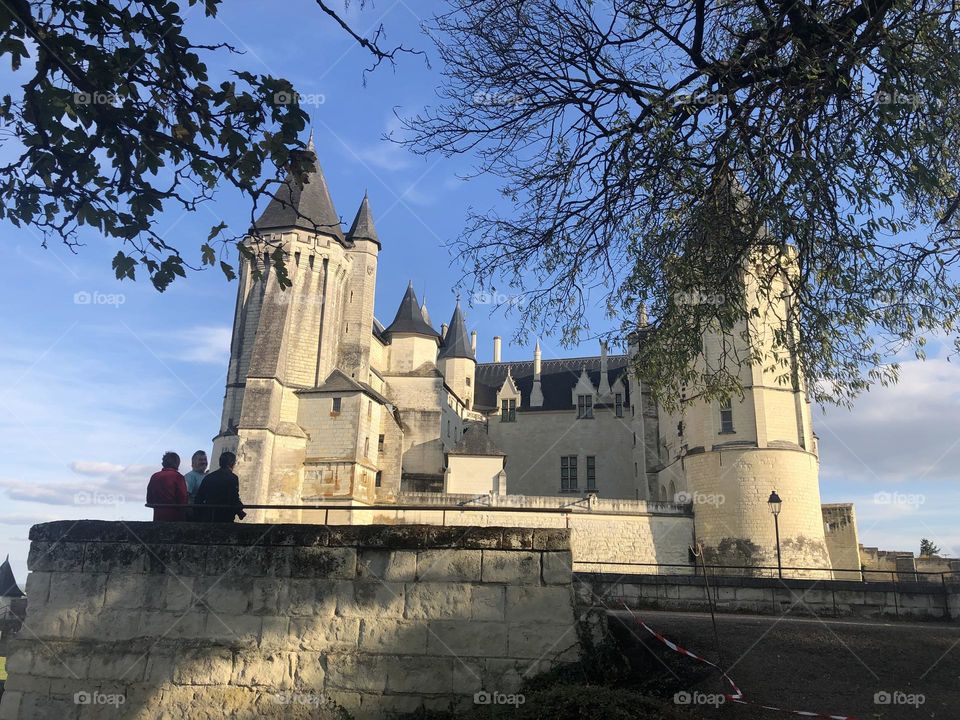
(584, 406)
(508, 410)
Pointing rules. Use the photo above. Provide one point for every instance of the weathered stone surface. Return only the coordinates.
(540, 640)
(116, 665)
(393, 637)
(309, 597)
(319, 633)
(436, 600)
(557, 567)
(114, 557)
(487, 602)
(55, 557)
(364, 673)
(371, 598)
(319, 562)
(203, 666)
(387, 565)
(511, 566)
(548, 604)
(77, 590)
(449, 565)
(467, 638)
(233, 630)
(273, 670)
(178, 560)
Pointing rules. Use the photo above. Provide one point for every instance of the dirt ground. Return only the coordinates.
(833, 667)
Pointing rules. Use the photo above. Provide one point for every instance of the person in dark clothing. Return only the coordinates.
(167, 487)
(221, 487)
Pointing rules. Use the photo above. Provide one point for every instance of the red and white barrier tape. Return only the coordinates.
(736, 696)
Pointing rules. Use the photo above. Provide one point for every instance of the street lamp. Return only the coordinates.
(774, 502)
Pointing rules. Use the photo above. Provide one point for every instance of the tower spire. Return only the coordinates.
(362, 227)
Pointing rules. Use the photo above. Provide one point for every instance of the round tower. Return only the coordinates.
(456, 359)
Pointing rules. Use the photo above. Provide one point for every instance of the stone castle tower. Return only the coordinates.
(727, 458)
(291, 347)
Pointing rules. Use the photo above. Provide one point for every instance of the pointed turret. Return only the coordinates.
(456, 343)
(536, 392)
(409, 317)
(307, 206)
(8, 584)
(362, 227)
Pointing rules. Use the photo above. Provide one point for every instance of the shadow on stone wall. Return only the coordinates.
(144, 620)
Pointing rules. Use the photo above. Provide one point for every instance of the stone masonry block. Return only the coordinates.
(310, 597)
(539, 604)
(437, 600)
(273, 670)
(203, 666)
(511, 566)
(557, 567)
(275, 632)
(467, 638)
(184, 560)
(55, 556)
(78, 590)
(317, 633)
(449, 565)
(542, 641)
(233, 629)
(393, 637)
(125, 591)
(387, 565)
(321, 562)
(228, 595)
(114, 557)
(358, 672)
(52, 622)
(117, 665)
(38, 588)
(371, 598)
(487, 602)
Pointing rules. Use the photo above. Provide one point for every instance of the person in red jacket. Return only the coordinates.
(168, 487)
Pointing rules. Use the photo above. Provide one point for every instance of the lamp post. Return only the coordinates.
(774, 502)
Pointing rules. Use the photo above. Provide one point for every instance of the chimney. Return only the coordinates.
(443, 330)
(496, 348)
(604, 389)
(473, 342)
(536, 392)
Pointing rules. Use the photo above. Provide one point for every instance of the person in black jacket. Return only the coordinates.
(221, 487)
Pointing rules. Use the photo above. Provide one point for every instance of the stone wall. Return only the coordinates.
(826, 598)
(179, 620)
(843, 544)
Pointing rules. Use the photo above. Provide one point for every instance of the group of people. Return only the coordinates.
(200, 496)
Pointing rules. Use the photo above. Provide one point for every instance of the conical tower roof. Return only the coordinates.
(409, 317)
(308, 206)
(8, 584)
(362, 227)
(456, 342)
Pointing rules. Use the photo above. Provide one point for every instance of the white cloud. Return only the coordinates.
(84, 467)
(202, 344)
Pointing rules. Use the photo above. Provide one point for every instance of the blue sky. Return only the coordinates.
(103, 376)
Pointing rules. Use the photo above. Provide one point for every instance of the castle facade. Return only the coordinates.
(327, 404)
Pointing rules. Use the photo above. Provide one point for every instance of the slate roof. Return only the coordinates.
(8, 584)
(409, 317)
(338, 381)
(307, 207)
(557, 380)
(476, 441)
(456, 344)
(362, 227)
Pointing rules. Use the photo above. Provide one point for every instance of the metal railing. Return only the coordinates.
(772, 571)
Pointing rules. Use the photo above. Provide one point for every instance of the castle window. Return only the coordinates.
(591, 473)
(508, 410)
(584, 406)
(369, 409)
(568, 473)
(366, 446)
(336, 406)
(618, 404)
(378, 479)
(380, 444)
(726, 417)
(467, 381)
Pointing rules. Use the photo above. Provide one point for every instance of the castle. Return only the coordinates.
(326, 404)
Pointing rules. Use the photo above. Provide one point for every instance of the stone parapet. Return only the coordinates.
(171, 619)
